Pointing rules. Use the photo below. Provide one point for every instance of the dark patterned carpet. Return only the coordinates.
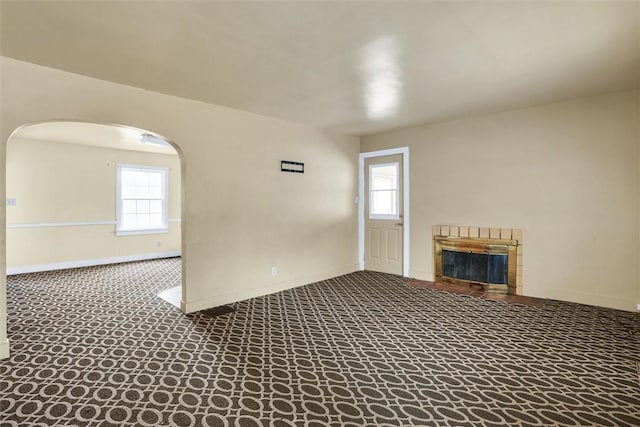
(95, 346)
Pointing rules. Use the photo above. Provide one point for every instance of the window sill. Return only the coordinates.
(137, 232)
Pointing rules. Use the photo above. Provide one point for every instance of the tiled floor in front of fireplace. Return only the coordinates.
(513, 299)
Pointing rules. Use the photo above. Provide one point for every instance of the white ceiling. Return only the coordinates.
(95, 134)
(356, 67)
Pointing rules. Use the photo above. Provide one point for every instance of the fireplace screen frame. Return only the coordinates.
(478, 246)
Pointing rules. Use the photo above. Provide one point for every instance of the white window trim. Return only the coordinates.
(165, 204)
(397, 190)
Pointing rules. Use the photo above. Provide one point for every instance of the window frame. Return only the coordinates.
(164, 228)
(395, 216)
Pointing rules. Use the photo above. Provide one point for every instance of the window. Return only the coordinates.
(383, 191)
(142, 193)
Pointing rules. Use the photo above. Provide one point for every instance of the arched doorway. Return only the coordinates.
(82, 194)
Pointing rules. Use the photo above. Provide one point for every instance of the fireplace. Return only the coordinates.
(477, 258)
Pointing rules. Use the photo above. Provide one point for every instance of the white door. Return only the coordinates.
(383, 214)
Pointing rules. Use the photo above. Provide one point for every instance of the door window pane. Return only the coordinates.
(383, 191)
(383, 202)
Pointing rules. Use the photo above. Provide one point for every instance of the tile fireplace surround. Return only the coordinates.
(486, 233)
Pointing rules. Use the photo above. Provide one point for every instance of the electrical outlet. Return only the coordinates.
(274, 271)
(11, 202)
(158, 244)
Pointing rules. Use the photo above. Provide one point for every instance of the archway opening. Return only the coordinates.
(83, 194)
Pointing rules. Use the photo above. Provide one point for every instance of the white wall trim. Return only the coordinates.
(4, 349)
(89, 262)
(405, 206)
(60, 224)
(70, 224)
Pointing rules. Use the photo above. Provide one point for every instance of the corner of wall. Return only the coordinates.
(4, 342)
(638, 179)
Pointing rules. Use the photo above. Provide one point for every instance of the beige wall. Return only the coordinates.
(241, 215)
(70, 183)
(567, 173)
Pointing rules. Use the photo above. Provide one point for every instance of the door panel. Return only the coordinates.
(383, 234)
(374, 243)
(393, 240)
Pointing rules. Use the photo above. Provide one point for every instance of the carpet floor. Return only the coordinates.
(96, 346)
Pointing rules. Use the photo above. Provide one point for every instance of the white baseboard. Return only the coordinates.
(218, 300)
(4, 349)
(573, 295)
(89, 262)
